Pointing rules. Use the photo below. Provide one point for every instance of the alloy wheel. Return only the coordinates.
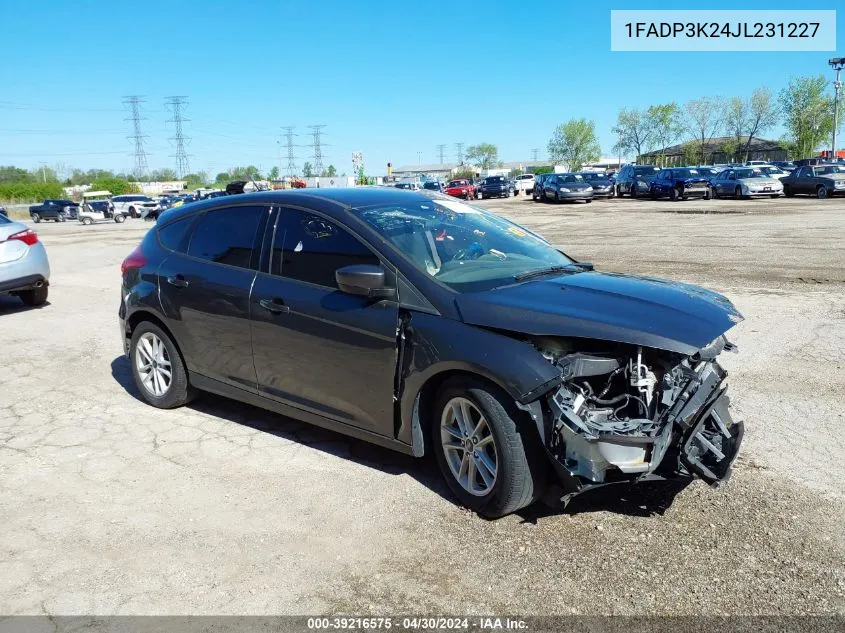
(469, 446)
(153, 364)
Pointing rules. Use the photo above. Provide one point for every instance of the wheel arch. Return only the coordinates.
(139, 316)
(423, 414)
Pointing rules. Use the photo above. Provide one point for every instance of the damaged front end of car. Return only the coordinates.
(628, 413)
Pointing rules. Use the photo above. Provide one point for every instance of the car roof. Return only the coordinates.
(322, 199)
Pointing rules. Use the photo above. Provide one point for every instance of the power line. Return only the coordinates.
(176, 104)
(318, 149)
(459, 147)
(134, 102)
(291, 158)
(441, 151)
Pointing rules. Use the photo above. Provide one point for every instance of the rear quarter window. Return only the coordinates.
(174, 236)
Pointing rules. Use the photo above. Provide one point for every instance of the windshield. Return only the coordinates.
(830, 169)
(431, 185)
(457, 183)
(687, 173)
(593, 176)
(494, 179)
(750, 173)
(645, 171)
(465, 247)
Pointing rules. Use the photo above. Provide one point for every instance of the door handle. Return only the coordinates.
(276, 306)
(177, 280)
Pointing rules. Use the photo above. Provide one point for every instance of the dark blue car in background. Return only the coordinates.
(680, 183)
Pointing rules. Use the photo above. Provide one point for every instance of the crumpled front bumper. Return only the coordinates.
(695, 437)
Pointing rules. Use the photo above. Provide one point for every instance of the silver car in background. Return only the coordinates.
(24, 268)
(745, 182)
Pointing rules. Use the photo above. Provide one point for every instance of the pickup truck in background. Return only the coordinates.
(56, 210)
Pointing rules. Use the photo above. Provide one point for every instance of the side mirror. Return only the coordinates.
(364, 280)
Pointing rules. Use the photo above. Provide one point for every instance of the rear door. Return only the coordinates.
(204, 286)
(315, 347)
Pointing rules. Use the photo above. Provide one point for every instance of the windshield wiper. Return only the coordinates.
(553, 269)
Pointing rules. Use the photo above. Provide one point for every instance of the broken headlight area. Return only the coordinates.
(627, 413)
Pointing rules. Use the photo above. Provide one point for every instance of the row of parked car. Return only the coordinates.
(754, 179)
(102, 203)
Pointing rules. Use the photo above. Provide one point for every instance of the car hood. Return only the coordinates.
(631, 309)
(600, 184)
(692, 180)
(575, 186)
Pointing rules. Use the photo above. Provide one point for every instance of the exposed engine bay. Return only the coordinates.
(627, 413)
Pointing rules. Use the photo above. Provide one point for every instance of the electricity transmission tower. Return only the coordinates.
(318, 148)
(291, 158)
(460, 153)
(176, 104)
(441, 151)
(536, 154)
(134, 102)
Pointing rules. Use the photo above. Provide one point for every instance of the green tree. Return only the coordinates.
(362, 177)
(222, 178)
(331, 171)
(463, 173)
(808, 114)
(633, 132)
(547, 169)
(273, 174)
(196, 180)
(706, 116)
(483, 155)
(693, 152)
(117, 186)
(10, 173)
(762, 115)
(574, 144)
(159, 175)
(666, 125)
(308, 170)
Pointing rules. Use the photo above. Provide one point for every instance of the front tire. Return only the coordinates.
(34, 296)
(821, 192)
(787, 191)
(157, 368)
(120, 218)
(133, 213)
(87, 221)
(489, 461)
(36, 218)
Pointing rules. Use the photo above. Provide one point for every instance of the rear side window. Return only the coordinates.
(309, 248)
(175, 235)
(226, 236)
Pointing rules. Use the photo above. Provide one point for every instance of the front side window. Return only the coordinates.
(309, 248)
(226, 236)
(465, 247)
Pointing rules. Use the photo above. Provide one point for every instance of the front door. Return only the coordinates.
(204, 286)
(315, 347)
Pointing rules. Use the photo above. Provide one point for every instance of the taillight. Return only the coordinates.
(28, 237)
(135, 259)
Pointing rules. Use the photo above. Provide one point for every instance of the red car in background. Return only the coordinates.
(461, 189)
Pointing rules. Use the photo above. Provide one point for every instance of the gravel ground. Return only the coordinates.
(112, 507)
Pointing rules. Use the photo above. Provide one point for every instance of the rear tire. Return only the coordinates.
(34, 296)
(132, 212)
(513, 448)
(87, 221)
(179, 391)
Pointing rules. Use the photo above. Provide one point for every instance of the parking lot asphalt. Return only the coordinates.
(110, 506)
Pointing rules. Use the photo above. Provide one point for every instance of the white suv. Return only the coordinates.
(135, 205)
(524, 183)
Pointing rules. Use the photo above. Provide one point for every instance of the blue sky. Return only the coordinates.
(390, 79)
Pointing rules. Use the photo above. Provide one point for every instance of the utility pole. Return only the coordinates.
(459, 147)
(43, 172)
(134, 102)
(318, 148)
(176, 104)
(291, 158)
(419, 158)
(441, 151)
(837, 63)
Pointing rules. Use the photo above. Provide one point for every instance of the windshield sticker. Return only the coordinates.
(517, 231)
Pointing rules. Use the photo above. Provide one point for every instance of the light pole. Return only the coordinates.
(837, 63)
